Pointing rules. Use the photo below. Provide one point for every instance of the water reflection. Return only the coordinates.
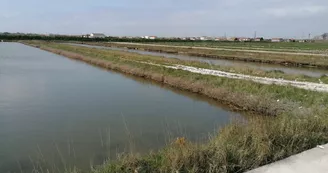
(56, 109)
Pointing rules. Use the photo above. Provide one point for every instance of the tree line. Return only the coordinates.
(75, 38)
(14, 37)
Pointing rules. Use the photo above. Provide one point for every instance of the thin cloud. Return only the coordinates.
(167, 18)
(296, 11)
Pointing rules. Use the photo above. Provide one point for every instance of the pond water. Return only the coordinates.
(60, 112)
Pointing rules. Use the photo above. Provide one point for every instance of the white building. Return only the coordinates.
(149, 37)
(152, 37)
(276, 40)
(204, 38)
(243, 39)
(97, 35)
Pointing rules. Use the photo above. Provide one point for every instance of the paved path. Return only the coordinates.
(311, 161)
(224, 49)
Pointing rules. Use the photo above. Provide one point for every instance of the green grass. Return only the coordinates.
(241, 70)
(262, 57)
(300, 120)
(283, 46)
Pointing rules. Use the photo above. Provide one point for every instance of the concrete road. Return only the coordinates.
(311, 161)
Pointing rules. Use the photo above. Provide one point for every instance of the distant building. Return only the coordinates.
(149, 37)
(86, 36)
(203, 38)
(97, 35)
(233, 39)
(152, 37)
(277, 40)
(243, 39)
(221, 39)
(257, 39)
(289, 40)
(303, 40)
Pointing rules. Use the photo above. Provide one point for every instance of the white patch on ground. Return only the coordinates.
(263, 80)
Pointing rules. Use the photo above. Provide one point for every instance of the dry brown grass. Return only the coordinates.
(234, 149)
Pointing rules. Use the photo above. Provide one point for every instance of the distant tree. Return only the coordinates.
(325, 36)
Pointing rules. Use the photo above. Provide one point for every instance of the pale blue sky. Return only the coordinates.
(270, 18)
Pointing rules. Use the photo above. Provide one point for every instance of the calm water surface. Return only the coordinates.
(266, 67)
(59, 110)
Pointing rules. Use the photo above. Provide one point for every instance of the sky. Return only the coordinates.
(268, 18)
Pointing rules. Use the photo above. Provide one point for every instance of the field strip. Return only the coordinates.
(225, 49)
(263, 80)
(292, 50)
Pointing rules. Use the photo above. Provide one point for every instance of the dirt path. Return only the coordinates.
(263, 80)
(226, 49)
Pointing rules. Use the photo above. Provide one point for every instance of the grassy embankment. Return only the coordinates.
(260, 57)
(249, 70)
(300, 119)
(315, 47)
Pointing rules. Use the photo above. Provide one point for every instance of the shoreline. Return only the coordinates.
(236, 101)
